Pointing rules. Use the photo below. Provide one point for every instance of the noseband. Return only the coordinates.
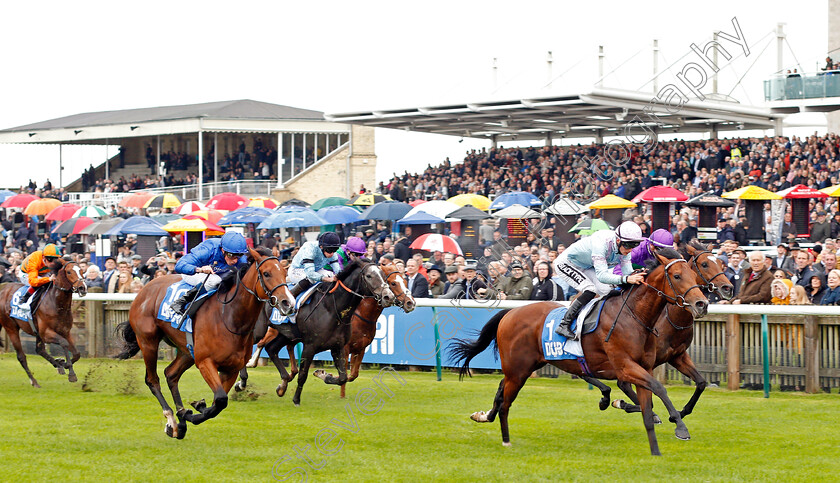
(400, 301)
(678, 300)
(375, 296)
(710, 286)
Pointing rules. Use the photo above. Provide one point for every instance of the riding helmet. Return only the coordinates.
(356, 245)
(629, 232)
(329, 240)
(234, 243)
(51, 251)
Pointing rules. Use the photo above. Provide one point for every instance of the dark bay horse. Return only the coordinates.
(676, 329)
(324, 323)
(52, 317)
(622, 346)
(222, 331)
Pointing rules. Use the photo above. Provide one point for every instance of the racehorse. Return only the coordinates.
(362, 332)
(324, 323)
(222, 329)
(676, 329)
(51, 316)
(621, 347)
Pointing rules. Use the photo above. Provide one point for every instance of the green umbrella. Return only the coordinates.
(331, 201)
(590, 226)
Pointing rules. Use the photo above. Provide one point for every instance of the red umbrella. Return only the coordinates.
(416, 203)
(135, 200)
(227, 201)
(801, 191)
(73, 226)
(189, 207)
(63, 212)
(658, 194)
(433, 242)
(19, 201)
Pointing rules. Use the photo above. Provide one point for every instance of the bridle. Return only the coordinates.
(709, 283)
(375, 296)
(678, 300)
(271, 298)
(74, 287)
(398, 301)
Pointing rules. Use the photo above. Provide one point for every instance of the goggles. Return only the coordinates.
(630, 244)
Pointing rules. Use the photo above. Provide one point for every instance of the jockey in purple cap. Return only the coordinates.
(355, 247)
(660, 238)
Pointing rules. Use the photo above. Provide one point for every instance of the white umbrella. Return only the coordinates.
(438, 208)
(517, 211)
(566, 206)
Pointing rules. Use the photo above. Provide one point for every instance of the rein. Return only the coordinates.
(271, 298)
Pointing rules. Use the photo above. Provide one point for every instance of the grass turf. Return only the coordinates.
(113, 430)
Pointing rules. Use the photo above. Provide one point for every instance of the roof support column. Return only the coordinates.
(215, 157)
(548, 138)
(200, 195)
(493, 141)
(60, 166)
(777, 128)
(107, 163)
(280, 160)
(599, 137)
(161, 171)
(713, 132)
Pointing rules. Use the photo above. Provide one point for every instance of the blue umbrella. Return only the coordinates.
(515, 198)
(292, 218)
(6, 194)
(137, 225)
(243, 216)
(420, 218)
(386, 210)
(339, 215)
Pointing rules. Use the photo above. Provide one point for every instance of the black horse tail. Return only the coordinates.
(130, 338)
(462, 351)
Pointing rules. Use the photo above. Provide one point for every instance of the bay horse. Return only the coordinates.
(621, 347)
(52, 317)
(324, 323)
(676, 329)
(222, 329)
(362, 332)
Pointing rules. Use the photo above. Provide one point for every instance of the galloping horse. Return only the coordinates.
(324, 323)
(676, 330)
(621, 347)
(52, 317)
(222, 329)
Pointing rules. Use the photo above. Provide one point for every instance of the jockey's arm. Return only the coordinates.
(310, 271)
(35, 280)
(603, 272)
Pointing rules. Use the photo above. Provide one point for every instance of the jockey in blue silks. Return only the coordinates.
(213, 257)
(307, 267)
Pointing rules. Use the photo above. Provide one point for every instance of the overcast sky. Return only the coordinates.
(64, 58)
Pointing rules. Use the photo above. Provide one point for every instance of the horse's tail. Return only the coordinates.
(130, 338)
(462, 351)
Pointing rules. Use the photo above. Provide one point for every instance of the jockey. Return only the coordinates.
(355, 247)
(585, 266)
(214, 257)
(660, 238)
(316, 253)
(34, 270)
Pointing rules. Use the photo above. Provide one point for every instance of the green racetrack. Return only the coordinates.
(114, 432)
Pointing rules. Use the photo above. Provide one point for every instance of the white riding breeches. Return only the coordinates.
(581, 279)
(212, 282)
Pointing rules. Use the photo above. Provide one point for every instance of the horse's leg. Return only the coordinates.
(489, 417)
(636, 374)
(149, 347)
(14, 337)
(41, 350)
(627, 389)
(173, 373)
(512, 386)
(647, 418)
(293, 367)
(243, 378)
(305, 362)
(685, 365)
(270, 334)
(340, 361)
(220, 398)
(272, 348)
(354, 363)
(604, 403)
(70, 350)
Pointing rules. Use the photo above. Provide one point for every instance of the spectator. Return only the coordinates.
(113, 281)
(733, 270)
(780, 288)
(474, 287)
(417, 283)
(816, 290)
(454, 288)
(436, 285)
(798, 296)
(783, 259)
(755, 289)
(828, 262)
(124, 282)
(803, 271)
(832, 293)
(724, 232)
(518, 286)
(93, 277)
(136, 286)
(544, 287)
(821, 229)
(789, 230)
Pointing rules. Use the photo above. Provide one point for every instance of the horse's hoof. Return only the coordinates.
(72, 378)
(682, 434)
(182, 428)
(617, 403)
(60, 370)
(603, 404)
(281, 388)
(297, 405)
(238, 386)
(656, 419)
(479, 416)
(506, 443)
(320, 374)
(199, 405)
(172, 432)
(35, 384)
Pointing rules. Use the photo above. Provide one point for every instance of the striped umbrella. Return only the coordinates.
(193, 223)
(432, 242)
(135, 200)
(478, 201)
(63, 212)
(213, 216)
(163, 200)
(331, 201)
(189, 207)
(263, 202)
(90, 212)
(41, 207)
(368, 199)
(72, 226)
(19, 201)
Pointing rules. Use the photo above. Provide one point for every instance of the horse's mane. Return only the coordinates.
(57, 265)
(349, 268)
(693, 243)
(229, 279)
(653, 262)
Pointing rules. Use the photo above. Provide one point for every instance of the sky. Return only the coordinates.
(63, 58)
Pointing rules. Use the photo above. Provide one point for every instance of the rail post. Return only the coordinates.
(765, 355)
(733, 351)
(95, 325)
(812, 354)
(438, 365)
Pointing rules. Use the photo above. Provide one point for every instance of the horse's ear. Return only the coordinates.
(284, 263)
(253, 254)
(662, 259)
(690, 249)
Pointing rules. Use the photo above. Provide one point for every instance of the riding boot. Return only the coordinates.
(301, 287)
(26, 301)
(179, 305)
(564, 328)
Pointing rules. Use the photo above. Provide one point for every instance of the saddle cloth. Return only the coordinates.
(173, 293)
(301, 300)
(17, 312)
(556, 347)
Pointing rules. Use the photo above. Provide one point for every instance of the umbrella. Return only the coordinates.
(799, 191)
(189, 207)
(660, 194)
(227, 201)
(469, 212)
(709, 199)
(417, 203)
(90, 212)
(137, 225)
(101, 226)
(293, 218)
(386, 210)
(4, 194)
(213, 216)
(193, 223)
(294, 202)
(135, 200)
(590, 226)
(73, 226)
(42, 206)
(420, 218)
(164, 218)
(62, 212)
(368, 199)
(480, 202)
(163, 200)
(245, 215)
(433, 242)
(19, 201)
(263, 202)
(517, 211)
(833, 191)
(751, 192)
(610, 202)
(330, 201)
(565, 207)
(438, 208)
(515, 198)
(339, 215)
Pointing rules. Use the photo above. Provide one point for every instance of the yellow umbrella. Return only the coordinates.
(751, 193)
(832, 190)
(478, 201)
(610, 202)
(164, 200)
(263, 202)
(193, 223)
(41, 206)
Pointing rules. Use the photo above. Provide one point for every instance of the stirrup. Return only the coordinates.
(565, 330)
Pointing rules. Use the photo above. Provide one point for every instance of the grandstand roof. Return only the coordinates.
(603, 112)
(226, 116)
